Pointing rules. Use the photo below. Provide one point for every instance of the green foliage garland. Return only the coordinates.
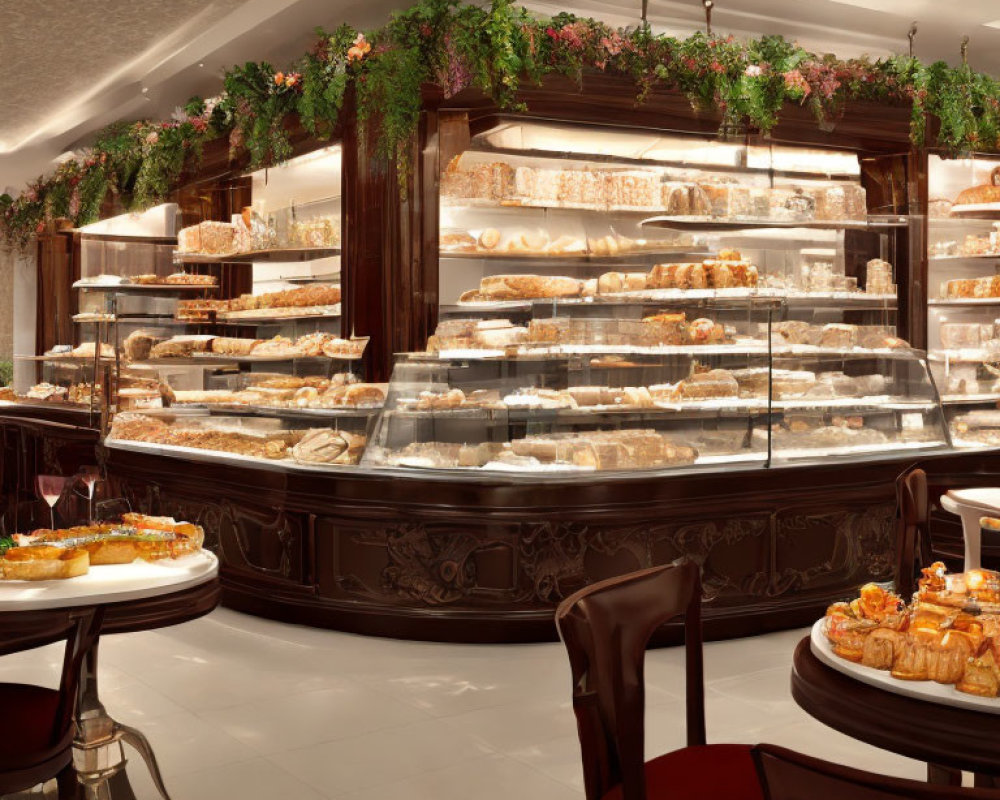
(495, 48)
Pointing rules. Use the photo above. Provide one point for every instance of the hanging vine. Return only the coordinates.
(497, 48)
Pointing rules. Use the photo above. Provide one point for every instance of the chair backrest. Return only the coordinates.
(913, 543)
(787, 775)
(606, 628)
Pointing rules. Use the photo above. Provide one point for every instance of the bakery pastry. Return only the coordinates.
(190, 279)
(90, 349)
(987, 193)
(345, 348)
(181, 346)
(524, 287)
(712, 383)
(230, 346)
(137, 345)
(44, 563)
(321, 446)
(489, 239)
(278, 346)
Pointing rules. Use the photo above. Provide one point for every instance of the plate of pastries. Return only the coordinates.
(47, 555)
(943, 646)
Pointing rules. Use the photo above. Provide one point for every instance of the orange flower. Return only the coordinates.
(360, 48)
(279, 78)
(291, 79)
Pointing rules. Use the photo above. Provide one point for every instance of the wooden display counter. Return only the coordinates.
(487, 559)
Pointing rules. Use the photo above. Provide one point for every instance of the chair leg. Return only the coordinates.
(943, 776)
(69, 785)
(141, 744)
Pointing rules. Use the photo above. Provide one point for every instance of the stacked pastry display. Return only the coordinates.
(634, 448)
(726, 272)
(315, 446)
(342, 391)
(140, 346)
(648, 190)
(539, 243)
(315, 299)
(248, 232)
(949, 634)
(701, 385)
(68, 553)
(652, 332)
(151, 279)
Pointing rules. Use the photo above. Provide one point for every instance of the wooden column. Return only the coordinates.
(389, 264)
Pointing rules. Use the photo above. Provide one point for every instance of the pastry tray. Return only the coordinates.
(140, 288)
(976, 210)
(281, 254)
(218, 358)
(928, 691)
(734, 224)
(111, 583)
(221, 456)
(269, 315)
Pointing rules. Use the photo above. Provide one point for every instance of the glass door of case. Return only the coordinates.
(963, 315)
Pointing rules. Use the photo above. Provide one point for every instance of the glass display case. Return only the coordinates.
(264, 375)
(626, 299)
(963, 325)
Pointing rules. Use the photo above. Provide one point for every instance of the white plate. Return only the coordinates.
(929, 691)
(111, 583)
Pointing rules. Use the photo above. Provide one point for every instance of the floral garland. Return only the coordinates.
(457, 46)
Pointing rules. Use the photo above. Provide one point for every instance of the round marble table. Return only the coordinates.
(108, 599)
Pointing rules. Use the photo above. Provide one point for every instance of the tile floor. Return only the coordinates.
(242, 708)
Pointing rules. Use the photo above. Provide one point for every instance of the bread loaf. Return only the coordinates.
(44, 563)
(524, 287)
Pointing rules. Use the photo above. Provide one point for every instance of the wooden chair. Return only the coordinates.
(606, 628)
(36, 723)
(913, 536)
(787, 775)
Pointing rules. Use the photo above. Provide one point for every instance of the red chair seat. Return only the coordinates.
(27, 722)
(709, 772)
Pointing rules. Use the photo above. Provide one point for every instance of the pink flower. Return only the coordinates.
(753, 71)
(796, 84)
(359, 49)
(715, 66)
(152, 137)
(199, 124)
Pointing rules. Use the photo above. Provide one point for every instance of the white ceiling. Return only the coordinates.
(70, 68)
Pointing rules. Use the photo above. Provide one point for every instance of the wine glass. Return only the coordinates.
(89, 476)
(50, 489)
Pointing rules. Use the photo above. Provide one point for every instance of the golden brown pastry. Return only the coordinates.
(44, 563)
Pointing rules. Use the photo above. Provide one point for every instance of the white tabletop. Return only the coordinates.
(985, 499)
(112, 583)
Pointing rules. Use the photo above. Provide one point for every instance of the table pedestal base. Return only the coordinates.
(98, 749)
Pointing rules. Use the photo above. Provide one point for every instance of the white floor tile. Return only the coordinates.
(277, 725)
(488, 778)
(375, 759)
(244, 708)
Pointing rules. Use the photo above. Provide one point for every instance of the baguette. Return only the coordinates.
(44, 563)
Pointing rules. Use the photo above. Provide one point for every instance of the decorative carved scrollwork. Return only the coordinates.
(551, 553)
(433, 568)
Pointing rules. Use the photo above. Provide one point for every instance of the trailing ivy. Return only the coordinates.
(496, 48)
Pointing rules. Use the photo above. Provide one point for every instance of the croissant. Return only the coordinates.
(882, 647)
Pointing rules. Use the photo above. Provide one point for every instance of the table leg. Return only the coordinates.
(98, 752)
(972, 532)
